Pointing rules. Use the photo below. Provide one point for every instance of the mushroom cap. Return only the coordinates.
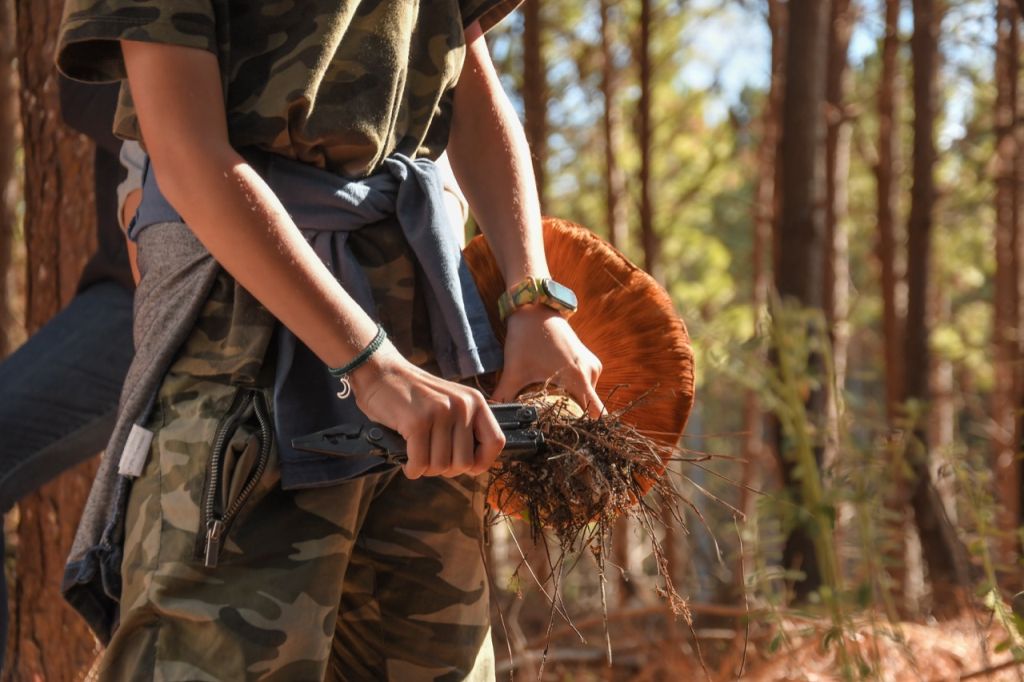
(625, 318)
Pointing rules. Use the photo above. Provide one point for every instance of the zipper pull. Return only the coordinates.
(214, 538)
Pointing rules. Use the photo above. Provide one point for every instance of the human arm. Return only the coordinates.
(129, 196)
(128, 209)
(491, 159)
(455, 203)
(178, 98)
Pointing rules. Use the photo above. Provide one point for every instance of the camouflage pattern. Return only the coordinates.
(230, 337)
(340, 84)
(403, 559)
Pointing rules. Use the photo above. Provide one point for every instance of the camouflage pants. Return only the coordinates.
(389, 572)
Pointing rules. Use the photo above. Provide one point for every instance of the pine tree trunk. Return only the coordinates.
(887, 172)
(939, 546)
(1005, 351)
(535, 93)
(837, 172)
(799, 276)
(648, 236)
(50, 642)
(618, 236)
(755, 451)
(942, 426)
(614, 178)
(8, 145)
(888, 193)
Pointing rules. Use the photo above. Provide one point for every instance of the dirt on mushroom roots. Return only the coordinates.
(592, 472)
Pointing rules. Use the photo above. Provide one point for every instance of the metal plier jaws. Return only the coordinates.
(517, 421)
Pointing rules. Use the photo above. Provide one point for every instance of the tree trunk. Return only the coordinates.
(535, 93)
(618, 236)
(755, 452)
(888, 192)
(50, 642)
(1006, 357)
(614, 178)
(887, 197)
(942, 426)
(939, 546)
(837, 165)
(649, 237)
(8, 145)
(799, 276)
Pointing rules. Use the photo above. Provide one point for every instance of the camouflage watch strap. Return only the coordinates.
(530, 290)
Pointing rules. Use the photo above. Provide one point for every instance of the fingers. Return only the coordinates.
(592, 403)
(590, 373)
(508, 386)
(463, 443)
(440, 446)
(417, 449)
(489, 439)
(445, 435)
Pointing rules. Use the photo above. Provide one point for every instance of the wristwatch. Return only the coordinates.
(538, 290)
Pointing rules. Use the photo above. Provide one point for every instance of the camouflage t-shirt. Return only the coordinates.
(339, 84)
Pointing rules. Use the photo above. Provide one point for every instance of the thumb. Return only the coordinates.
(507, 388)
(593, 404)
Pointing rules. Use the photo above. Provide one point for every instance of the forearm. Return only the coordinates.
(491, 159)
(229, 208)
(241, 222)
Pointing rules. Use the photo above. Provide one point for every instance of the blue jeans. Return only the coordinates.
(59, 394)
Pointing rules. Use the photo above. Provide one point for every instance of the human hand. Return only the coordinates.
(540, 346)
(448, 428)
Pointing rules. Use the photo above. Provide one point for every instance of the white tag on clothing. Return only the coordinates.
(136, 449)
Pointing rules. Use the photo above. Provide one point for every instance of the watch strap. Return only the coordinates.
(525, 292)
(531, 290)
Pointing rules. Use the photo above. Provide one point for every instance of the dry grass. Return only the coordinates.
(648, 646)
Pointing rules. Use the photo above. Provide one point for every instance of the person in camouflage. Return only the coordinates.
(234, 566)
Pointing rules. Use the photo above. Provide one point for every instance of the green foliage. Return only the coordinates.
(704, 181)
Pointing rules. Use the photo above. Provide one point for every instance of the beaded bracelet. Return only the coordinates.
(342, 372)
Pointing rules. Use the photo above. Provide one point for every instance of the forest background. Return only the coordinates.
(831, 192)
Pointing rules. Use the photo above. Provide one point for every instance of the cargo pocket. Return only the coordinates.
(238, 460)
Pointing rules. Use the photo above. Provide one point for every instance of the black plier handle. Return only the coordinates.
(517, 421)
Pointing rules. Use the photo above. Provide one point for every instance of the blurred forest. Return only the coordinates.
(832, 193)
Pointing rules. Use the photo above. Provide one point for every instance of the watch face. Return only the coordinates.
(560, 293)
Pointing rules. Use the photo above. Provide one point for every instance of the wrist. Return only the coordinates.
(370, 373)
(532, 312)
(344, 373)
(530, 291)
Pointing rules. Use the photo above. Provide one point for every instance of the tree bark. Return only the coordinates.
(1006, 356)
(887, 196)
(886, 173)
(614, 177)
(755, 454)
(837, 164)
(799, 277)
(618, 236)
(648, 236)
(49, 641)
(8, 145)
(535, 93)
(939, 546)
(758, 458)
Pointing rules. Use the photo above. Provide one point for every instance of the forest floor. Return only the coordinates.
(647, 647)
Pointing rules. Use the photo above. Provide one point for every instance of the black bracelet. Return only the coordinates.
(343, 371)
